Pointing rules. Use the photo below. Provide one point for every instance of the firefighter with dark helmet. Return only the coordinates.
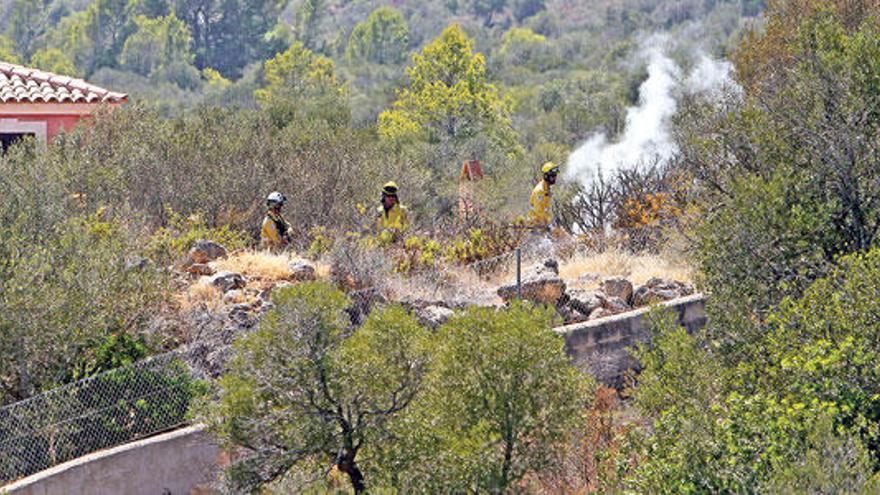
(540, 214)
(392, 216)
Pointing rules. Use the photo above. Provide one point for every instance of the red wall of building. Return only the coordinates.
(54, 123)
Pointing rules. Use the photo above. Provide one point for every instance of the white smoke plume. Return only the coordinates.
(646, 138)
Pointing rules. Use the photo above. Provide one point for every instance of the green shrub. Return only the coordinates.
(171, 243)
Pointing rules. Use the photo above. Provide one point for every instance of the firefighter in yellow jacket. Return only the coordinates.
(540, 200)
(275, 231)
(392, 216)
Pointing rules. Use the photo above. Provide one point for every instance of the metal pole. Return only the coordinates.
(518, 274)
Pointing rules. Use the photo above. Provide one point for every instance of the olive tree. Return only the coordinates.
(500, 397)
(307, 392)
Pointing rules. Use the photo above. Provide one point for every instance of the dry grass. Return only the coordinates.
(264, 266)
(200, 295)
(637, 268)
(256, 264)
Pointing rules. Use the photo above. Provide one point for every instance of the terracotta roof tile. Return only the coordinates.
(23, 85)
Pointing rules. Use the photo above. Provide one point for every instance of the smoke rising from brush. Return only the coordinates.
(646, 138)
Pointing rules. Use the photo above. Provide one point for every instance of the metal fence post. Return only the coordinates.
(518, 274)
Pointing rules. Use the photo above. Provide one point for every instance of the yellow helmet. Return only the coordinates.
(390, 188)
(550, 168)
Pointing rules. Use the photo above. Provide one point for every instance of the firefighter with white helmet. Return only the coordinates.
(275, 231)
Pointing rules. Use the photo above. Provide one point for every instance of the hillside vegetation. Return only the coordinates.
(345, 371)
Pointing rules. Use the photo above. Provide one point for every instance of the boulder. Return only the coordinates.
(200, 269)
(617, 287)
(584, 301)
(227, 281)
(615, 305)
(570, 316)
(658, 290)
(548, 266)
(301, 271)
(547, 289)
(204, 251)
(433, 316)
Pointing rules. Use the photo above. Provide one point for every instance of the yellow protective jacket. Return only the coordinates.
(540, 214)
(396, 219)
(274, 231)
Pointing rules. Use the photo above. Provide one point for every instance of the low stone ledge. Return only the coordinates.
(599, 347)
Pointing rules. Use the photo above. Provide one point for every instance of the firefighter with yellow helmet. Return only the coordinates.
(392, 216)
(540, 214)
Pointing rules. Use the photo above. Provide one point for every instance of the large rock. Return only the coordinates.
(541, 284)
(617, 287)
(227, 281)
(301, 271)
(584, 301)
(204, 251)
(433, 316)
(658, 290)
(615, 305)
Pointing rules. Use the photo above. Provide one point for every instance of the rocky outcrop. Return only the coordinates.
(585, 301)
(541, 284)
(227, 281)
(618, 287)
(433, 316)
(658, 290)
(302, 271)
(204, 251)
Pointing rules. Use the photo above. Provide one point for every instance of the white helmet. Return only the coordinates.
(275, 197)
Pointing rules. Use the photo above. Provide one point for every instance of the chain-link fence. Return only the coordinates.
(101, 411)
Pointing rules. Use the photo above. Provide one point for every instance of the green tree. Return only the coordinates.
(306, 390)
(53, 60)
(500, 397)
(711, 430)
(449, 97)
(789, 170)
(523, 9)
(381, 39)
(27, 24)
(7, 50)
(94, 38)
(486, 9)
(155, 44)
(229, 34)
(302, 84)
(524, 47)
(308, 19)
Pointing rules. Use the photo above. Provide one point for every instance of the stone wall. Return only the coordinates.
(601, 346)
(173, 463)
